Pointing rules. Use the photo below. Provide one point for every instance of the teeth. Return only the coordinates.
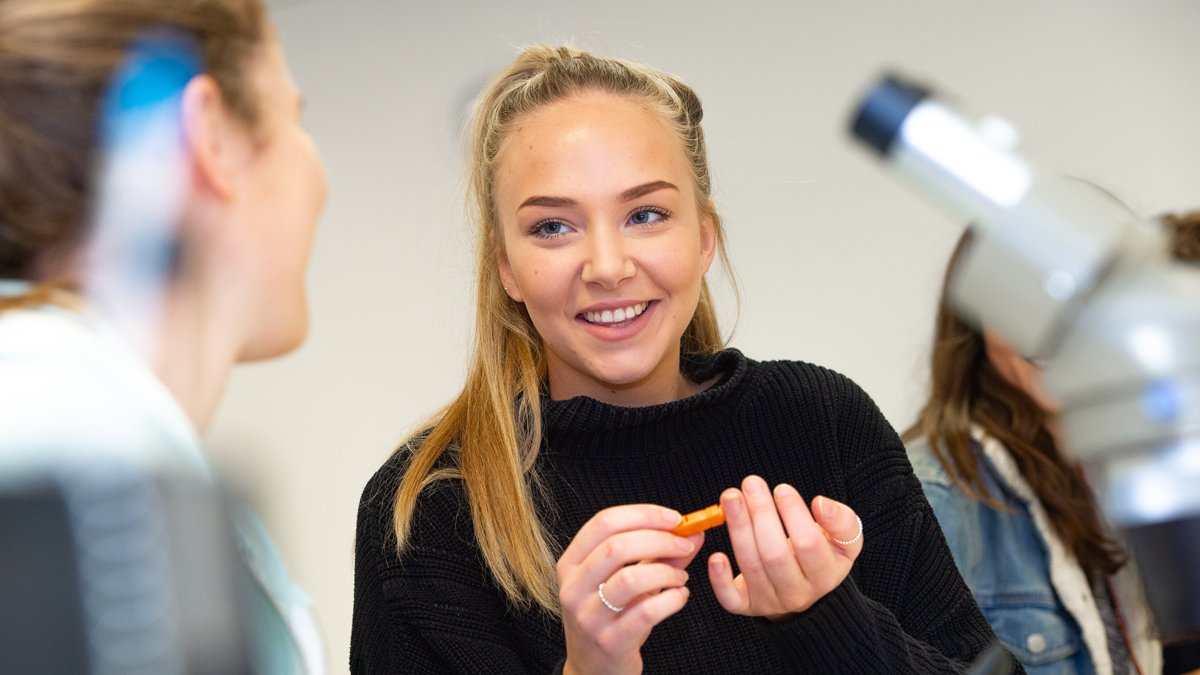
(616, 316)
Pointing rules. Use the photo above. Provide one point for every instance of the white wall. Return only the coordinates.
(838, 264)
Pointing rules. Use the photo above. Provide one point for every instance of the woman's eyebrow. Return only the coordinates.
(645, 189)
(540, 200)
(626, 196)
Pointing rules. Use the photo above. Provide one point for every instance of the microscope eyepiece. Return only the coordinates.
(884, 110)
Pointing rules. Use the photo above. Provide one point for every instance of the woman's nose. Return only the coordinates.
(608, 261)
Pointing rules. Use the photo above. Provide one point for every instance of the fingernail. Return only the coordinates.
(829, 509)
(683, 577)
(671, 516)
(784, 488)
(754, 485)
(731, 501)
(685, 591)
(685, 545)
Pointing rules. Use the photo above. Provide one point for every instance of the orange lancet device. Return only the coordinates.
(699, 521)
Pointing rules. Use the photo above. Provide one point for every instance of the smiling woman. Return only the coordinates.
(529, 528)
(610, 269)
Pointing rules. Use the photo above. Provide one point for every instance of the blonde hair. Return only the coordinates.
(494, 425)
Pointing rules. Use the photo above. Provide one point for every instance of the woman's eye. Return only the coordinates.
(549, 228)
(647, 216)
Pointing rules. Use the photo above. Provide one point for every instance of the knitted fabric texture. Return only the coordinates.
(904, 607)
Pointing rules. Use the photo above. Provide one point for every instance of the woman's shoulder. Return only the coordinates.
(773, 382)
(822, 393)
(440, 532)
(807, 379)
(382, 485)
(380, 490)
(933, 470)
(926, 465)
(815, 401)
(938, 479)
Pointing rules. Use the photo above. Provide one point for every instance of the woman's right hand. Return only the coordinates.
(630, 550)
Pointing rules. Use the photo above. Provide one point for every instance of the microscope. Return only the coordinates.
(1068, 274)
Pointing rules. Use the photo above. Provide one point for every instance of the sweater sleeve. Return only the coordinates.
(954, 515)
(430, 611)
(904, 608)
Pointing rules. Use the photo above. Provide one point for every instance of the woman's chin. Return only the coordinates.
(277, 342)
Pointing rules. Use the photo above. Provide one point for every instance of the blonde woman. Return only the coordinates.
(528, 529)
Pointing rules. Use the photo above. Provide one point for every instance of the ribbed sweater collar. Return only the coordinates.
(584, 415)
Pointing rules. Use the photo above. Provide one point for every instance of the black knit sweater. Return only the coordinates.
(904, 607)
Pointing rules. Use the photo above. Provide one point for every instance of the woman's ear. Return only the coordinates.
(507, 279)
(708, 234)
(214, 140)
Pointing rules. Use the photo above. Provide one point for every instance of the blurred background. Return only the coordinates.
(837, 263)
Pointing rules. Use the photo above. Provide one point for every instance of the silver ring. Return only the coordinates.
(605, 600)
(843, 542)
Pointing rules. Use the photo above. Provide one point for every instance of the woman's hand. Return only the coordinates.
(630, 550)
(788, 556)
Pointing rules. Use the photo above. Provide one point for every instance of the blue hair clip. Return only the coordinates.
(160, 64)
(142, 181)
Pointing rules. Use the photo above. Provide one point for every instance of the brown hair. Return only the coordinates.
(1183, 231)
(495, 422)
(966, 389)
(56, 58)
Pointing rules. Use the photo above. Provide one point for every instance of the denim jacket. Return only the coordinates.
(1033, 593)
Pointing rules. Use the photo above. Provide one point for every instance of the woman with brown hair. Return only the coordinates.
(1019, 516)
(529, 528)
(214, 243)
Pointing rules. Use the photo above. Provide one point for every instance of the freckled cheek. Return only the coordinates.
(542, 295)
(527, 272)
(673, 273)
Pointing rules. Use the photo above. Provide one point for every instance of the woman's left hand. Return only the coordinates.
(788, 556)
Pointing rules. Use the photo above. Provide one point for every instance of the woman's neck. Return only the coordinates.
(197, 387)
(636, 395)
(665, 384)
(194, 359)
